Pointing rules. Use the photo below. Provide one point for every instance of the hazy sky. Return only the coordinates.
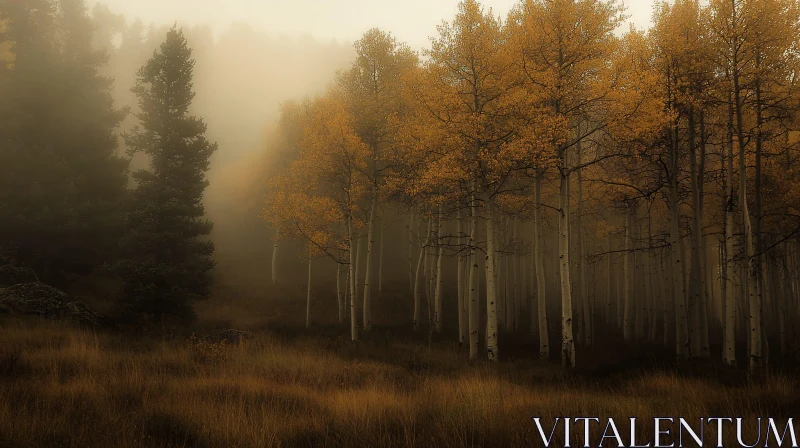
(411, 21)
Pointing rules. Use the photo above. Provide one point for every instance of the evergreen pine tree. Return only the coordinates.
(62, 183)
(169, 260)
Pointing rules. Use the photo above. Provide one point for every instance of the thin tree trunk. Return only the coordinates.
(676, 258)
(437, 301)
(411, 275)
(460, 279)
(380, 263)
(728, 295)
(503, 310)
(611, 313)
(417, 308)
(627, 301)
(669, 298)
(368, 265)
(358, 264)
(695, 298)
(474, 284)
(584, 295)
(352, 282)
(339, 292)
(567, 340)
(275, 256)
(652, 290)
(541, 281)
(491, 286)
(308, 296)
(705, 284)
(754, 294)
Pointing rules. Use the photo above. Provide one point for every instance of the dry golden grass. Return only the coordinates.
(61, 386)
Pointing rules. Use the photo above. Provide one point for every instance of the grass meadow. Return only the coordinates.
(62, 386)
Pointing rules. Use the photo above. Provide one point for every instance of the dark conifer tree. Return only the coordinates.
(62, 183)
(169, 257)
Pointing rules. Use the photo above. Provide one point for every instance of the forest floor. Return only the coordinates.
(287, 386)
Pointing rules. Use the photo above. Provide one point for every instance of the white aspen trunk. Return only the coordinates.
(639, 273)
(368, 265)
(678, 293)
(517, 286)
(544, 339)
(584, 293)
(460, 279)
(491, 285)
(534, 322)
(352, 281)
(501, 274)
(380, 263)
(705, 350)
(744, 305)
(567, 340)
(685, 270)
(794, 283)
(347, 270)
(465, 265)
(275, 256)
(358, 264)
(497, 265)
(308, 296)
(695, 276)
(430, 273)
(676, 254)
(506, 271)
(420, 260)
(426, 272)
(753, 292)
(508, 268)
(627, 303)
(410, 252)
(653, 292)
(620, 305)
(437, 301)
(524, 261)
(728, 288)
(781, 310)
(788, 309)
(754, 295)
(611, 313)
(765, 287)
(339, 292)
(668, 302)
(474, 285)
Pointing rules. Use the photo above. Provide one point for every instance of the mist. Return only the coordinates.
(250, 60)
(242, 76)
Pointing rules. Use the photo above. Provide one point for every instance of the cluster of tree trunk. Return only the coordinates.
(629, 200)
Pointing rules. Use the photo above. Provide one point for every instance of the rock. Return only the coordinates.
(230, 336)
(78, 312)
(11, 275)
(42, 300)
(34, 298)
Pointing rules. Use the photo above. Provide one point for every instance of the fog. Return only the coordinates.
(251, 57)
(242, 75)
(411, 21)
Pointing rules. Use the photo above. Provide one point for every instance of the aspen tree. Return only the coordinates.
(468, 94)
(558, 43)
(275, 256)
(318, 198)
(372, 91)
